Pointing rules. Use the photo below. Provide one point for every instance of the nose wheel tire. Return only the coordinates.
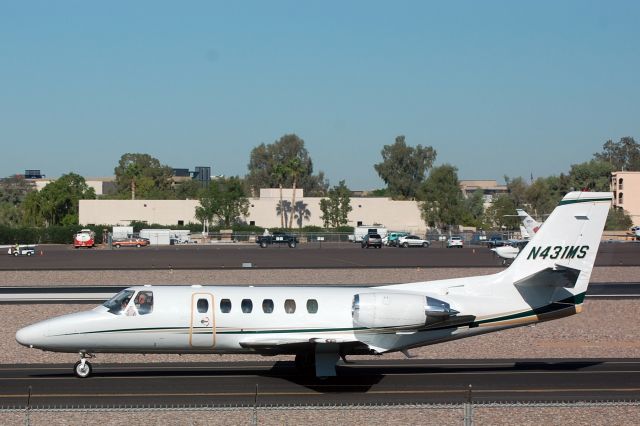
(82, 369)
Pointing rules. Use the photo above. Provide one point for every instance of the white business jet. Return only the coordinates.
(529, 227)
(319, 325)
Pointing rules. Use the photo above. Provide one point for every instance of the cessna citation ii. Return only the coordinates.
(319, 325)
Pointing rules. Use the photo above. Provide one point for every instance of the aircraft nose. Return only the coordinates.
(30, 336)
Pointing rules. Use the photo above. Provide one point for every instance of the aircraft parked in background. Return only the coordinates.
(321, 324)
(529, 227)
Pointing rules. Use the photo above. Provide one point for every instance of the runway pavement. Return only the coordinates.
(392, 381)
(312, 255)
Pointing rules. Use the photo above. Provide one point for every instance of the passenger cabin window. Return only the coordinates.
(225, 306)
(246, 306)
(144, 302)
(312, 306)
(202, 306)
(118, 304)
(267, 306)
(289, 306)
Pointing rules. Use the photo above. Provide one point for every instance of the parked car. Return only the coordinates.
(392, 238)
(413, 241)
(455, 241)
(130, 242)
(371, 240)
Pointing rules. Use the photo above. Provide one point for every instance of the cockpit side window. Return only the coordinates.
(144, 302)
(118, 303)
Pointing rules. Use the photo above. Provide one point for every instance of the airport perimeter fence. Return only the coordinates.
(469, 413)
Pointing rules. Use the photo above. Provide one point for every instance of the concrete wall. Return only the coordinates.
(395, 215)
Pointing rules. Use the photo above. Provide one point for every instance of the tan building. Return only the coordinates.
(101, 185)
(626, 193)
(263, 211)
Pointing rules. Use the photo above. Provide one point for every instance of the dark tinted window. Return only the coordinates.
(312, 306)
(144, 302)
(267, 306)
(246, 306)
(202, 306)
(375, 236)
(289, 306)
(225, 306)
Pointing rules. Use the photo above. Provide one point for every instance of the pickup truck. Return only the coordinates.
(496, 241)
(277, 238)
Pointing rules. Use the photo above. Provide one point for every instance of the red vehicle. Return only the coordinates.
(84, 238)
(130, 242)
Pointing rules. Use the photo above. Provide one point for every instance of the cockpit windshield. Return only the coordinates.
(118, 303)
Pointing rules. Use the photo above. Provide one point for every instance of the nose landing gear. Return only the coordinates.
(83, 367)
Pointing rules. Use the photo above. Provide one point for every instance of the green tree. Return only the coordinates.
(442, 198)
(403, 168)
(57, 203)
(501, 213)
(473, 209)
(517, 188)
(618, 220)
(13, 191)
(188, 190)
(141, 176)
(336, 207)
(593, 175)
(266, 157)
(224, 200)
(622, 155)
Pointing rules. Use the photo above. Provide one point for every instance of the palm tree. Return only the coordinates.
(295, 169)
(280, 174)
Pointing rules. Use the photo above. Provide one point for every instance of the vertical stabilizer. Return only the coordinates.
(530, 224)
(563, 251)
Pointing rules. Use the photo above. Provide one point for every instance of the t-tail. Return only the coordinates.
(530, 224)
(556, 265)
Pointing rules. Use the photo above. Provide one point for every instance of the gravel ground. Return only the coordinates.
(534, 416)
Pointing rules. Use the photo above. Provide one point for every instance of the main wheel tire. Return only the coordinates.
(82, 372)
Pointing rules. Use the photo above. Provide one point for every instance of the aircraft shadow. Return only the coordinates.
(351, 378)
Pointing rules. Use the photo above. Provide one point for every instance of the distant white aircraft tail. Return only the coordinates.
(530, 224)
(560, 256)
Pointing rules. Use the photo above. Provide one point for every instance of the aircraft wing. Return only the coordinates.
(289, 345)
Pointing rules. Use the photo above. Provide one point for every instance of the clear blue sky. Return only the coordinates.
(495, 87)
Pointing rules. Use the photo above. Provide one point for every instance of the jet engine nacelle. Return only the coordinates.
(398, 310)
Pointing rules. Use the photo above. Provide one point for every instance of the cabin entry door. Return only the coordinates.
(202, 332)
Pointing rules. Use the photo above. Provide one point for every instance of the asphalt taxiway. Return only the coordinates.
(309, 256)
(264, 383)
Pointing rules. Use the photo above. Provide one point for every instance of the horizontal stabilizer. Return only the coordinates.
(558, 276)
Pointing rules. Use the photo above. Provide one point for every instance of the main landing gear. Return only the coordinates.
(83, 368)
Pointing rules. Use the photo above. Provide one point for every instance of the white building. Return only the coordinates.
(263, 211)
